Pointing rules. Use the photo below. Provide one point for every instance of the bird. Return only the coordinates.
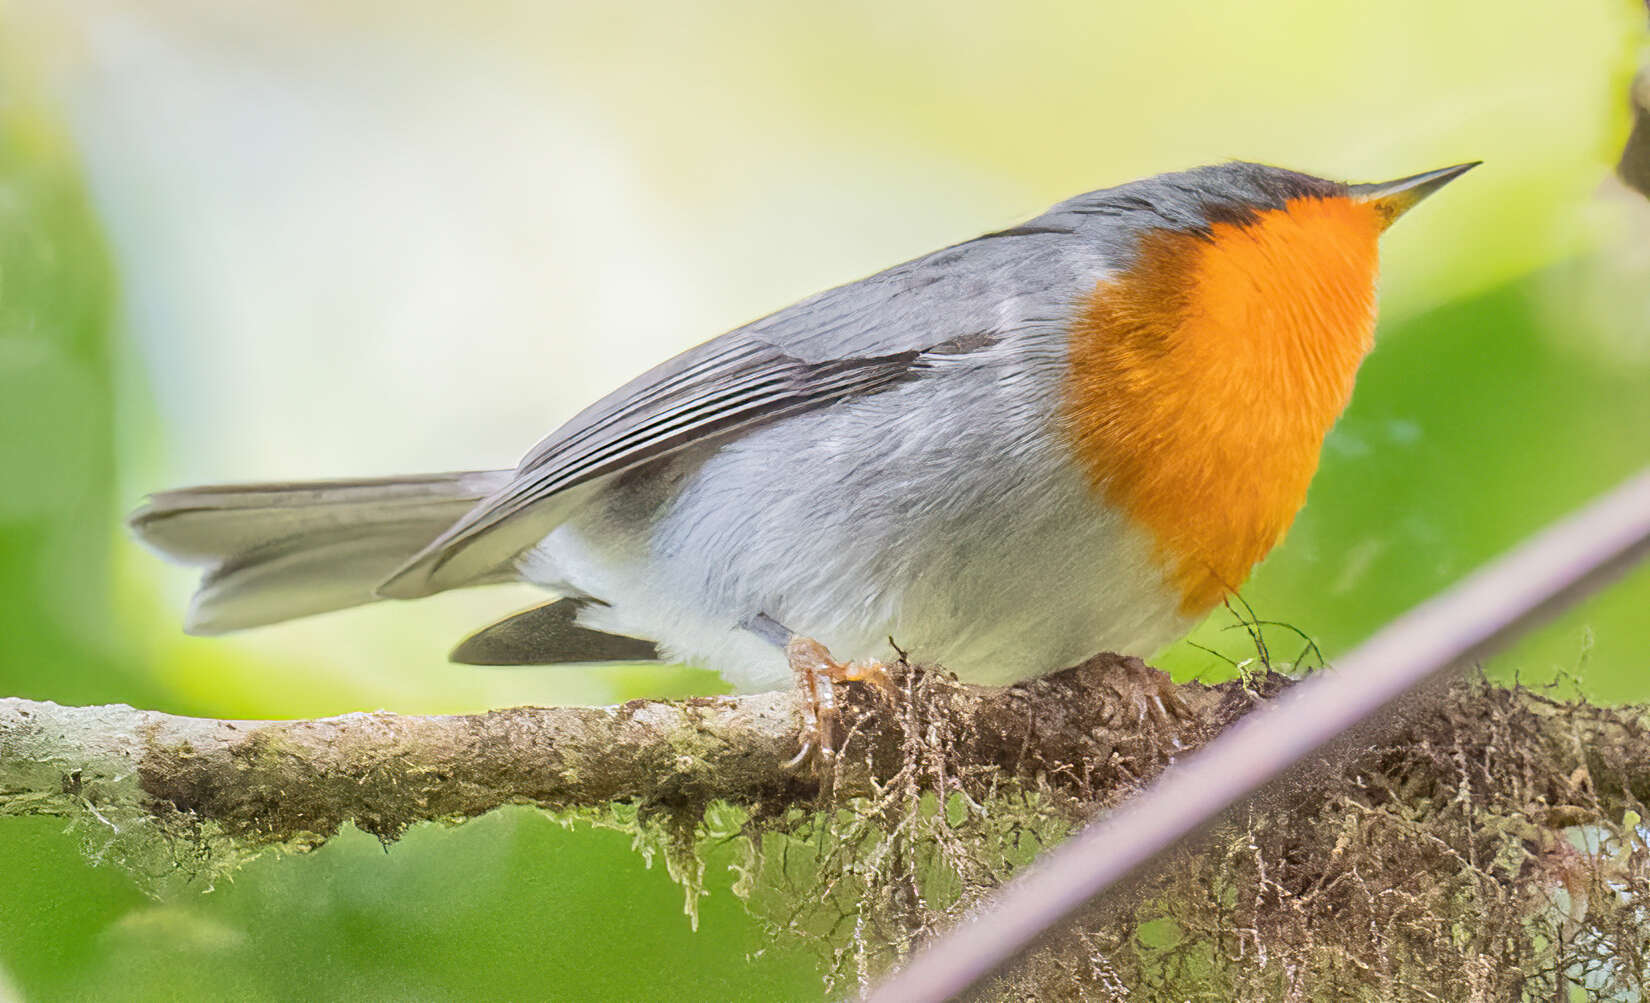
(1071, 436)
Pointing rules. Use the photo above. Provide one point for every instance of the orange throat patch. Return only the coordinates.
(1204, 380)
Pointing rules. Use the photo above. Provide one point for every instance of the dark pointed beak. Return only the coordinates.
(1392, 199)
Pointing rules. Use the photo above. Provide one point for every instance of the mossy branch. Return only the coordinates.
(268, 783)
(1500, 829)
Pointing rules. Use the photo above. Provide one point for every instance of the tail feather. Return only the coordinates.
(274, 552)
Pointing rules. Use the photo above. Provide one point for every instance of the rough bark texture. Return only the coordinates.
(1498, 836)
(265, 783)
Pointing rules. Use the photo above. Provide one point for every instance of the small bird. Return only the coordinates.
(1076, 435)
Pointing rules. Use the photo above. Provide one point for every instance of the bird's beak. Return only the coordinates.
(1391, 199)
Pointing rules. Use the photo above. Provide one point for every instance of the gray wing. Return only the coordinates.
(856, 339)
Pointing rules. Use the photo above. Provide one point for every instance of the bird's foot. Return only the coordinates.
(1148, 694)
(817, 677)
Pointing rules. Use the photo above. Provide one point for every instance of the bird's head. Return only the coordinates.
(1262, 227)
(1223, 342)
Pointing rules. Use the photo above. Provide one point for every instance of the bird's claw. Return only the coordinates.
(817, 675)
(1150, 694)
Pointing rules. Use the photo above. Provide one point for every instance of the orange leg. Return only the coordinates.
(817, 676)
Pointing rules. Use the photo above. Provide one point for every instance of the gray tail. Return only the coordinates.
(274, 552)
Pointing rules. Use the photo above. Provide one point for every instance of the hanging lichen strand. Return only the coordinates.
(1492, 849)
(1495, 849)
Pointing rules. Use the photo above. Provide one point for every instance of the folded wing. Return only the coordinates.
(725, 386)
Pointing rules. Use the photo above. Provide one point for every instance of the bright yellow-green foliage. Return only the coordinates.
(1508, 385)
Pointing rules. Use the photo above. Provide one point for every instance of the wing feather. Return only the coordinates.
(745, 384)
(855, 339)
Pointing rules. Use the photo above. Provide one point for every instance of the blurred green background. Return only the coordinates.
(290, 239)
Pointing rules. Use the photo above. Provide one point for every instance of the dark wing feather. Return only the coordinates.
(549, 635)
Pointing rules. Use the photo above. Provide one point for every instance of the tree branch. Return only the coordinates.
(1477, 791)
(1094, 732)
(271, 782)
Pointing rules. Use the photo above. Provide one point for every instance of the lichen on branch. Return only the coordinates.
(213, 792)
(1496, 838)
